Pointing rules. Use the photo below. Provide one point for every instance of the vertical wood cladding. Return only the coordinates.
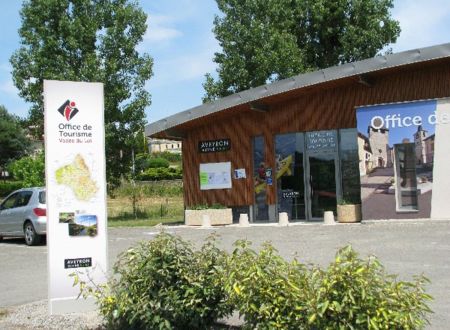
(324, 108)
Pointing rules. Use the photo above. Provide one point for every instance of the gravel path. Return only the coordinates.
(35, 316)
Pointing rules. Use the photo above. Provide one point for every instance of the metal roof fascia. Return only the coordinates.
(303, 80)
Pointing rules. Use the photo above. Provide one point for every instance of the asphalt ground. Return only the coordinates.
(404, 247)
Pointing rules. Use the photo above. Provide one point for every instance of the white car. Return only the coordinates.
(23, 213)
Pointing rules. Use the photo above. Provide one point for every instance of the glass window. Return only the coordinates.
(289, 151)
(23, 198)
(10, 202)
(350, 176)
(42, 197)
(261, 210)
(406, 177)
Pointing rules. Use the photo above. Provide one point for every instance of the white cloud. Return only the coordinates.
(160, 29)
(423, 23)
(185, 67)
(9, 88)
(5, 67)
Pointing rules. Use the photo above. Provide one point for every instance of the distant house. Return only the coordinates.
(365, 154)
(379, 144)
(429, 149)
(163, 145)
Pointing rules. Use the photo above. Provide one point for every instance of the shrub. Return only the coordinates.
(353, 293)
(268, 291)
(163, 284)
(158, 163)
(8, 187)
(166, 284)
(30, 170)
(215, 206)
(156, 174)
(170, 156)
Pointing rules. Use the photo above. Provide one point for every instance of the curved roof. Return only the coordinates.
(359, 68)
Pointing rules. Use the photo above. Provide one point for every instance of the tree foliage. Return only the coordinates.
(13, 141)
(88, 40)
(267, 40)
(30, 170)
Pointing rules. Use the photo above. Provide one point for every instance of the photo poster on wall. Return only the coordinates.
(215, 176)
(400, 159)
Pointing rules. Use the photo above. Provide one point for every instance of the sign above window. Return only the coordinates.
(214, 145)
(321, 140)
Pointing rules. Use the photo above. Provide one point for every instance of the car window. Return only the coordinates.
(10, 202)
(42, 197)
(23, 198)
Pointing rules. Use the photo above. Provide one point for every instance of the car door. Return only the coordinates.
(6, 218)
(20, 211)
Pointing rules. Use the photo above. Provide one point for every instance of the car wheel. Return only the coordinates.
(31, 238)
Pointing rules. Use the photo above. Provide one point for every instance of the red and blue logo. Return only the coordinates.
(68, 110)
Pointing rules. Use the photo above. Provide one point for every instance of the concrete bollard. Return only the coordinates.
(243, 220)
(283, 219)
(206, 221)
(328, 218)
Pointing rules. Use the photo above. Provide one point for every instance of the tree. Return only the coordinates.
(13, 140)
(88, 40)
(30, 170)
(268, 40)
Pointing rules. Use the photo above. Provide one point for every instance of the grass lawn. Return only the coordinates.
(150, 211)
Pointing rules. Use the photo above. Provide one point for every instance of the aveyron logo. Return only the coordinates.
(68, 110)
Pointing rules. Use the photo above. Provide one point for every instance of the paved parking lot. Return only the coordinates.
(405, 248)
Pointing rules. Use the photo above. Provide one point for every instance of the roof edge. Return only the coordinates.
(346, 70)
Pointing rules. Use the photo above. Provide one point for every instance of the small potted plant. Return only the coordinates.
(349, 210)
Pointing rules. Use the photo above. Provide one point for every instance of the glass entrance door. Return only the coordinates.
(307, 172)
(290, 175)
(322, 184)
(322, 167)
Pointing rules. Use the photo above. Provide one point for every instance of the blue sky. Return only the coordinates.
(180, 40)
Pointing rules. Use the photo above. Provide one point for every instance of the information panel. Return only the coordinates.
(215, 176)
(76, 190)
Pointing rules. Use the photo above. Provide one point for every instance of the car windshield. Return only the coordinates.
(42, 197)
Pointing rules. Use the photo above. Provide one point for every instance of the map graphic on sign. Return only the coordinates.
(77, 177)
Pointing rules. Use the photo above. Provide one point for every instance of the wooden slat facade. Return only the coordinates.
(326, 106)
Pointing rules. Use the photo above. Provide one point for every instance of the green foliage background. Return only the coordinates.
(88, 40)
(30, 170)
(13, 140)
(268, 40)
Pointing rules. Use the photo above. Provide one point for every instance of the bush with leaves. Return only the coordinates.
(166, 284)
(353, 293)
(156, 174)
(268, 291)
(163, 284)
(158, 163)
(8, 187)
(30, 170)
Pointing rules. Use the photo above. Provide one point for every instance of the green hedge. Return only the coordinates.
(8, 187)
(167, 284)
(156, 174)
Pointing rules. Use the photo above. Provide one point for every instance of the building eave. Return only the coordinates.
(360, 69)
